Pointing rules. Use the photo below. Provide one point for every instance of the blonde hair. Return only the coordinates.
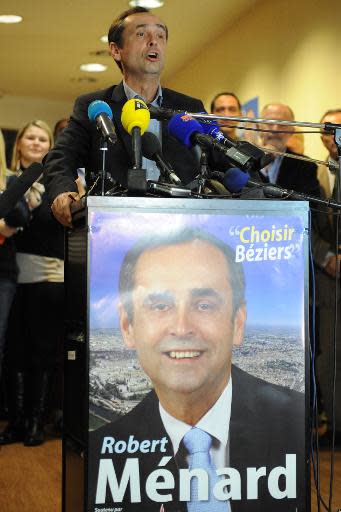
(15, 163)
(3, 166)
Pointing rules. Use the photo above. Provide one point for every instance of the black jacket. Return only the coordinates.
(298, 175)
(78, 145)
(266, 423)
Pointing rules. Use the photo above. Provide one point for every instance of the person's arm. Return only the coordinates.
(61, 207)
(333, 265)
(71, 151)
(322, 238)
(6, 231)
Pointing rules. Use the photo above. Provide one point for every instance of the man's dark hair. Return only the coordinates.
(127, 273)
(57, 129)
(225, 94)
(115, 33)
(330, 112)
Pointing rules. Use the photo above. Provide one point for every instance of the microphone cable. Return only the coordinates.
(314, 446)
(337, 281)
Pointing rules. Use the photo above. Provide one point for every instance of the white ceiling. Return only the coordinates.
(40, 57)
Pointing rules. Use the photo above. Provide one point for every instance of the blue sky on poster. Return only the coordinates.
(274, 289)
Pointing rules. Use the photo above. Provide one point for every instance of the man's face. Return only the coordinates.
(275, 140)
(328, 140)
(143, 45)
(182, 327)
(296, 143)
(227, 105)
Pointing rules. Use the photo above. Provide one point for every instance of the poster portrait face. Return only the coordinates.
(182, 325)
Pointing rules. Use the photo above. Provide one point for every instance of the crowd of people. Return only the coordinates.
(31, 284)
(32, 236)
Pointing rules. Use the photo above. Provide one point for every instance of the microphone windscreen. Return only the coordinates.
(211, 127)
(135, 113)
(182, 127)
(18, 187)
(150, 145)
(235, 179)
(98, 107)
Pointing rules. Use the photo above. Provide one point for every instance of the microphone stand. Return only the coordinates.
(100, 176)
(137, 177)
(203, 172)
(104, 149)
(283, 193)
(337, 138)
(326, 127)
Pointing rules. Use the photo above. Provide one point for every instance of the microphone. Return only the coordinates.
(212, 128)
(245, 154)
(135, 115)
(17, 189)
(161, 113)
(101, 113)
(151, 149)
(235, 180)
(188, 131)
(135, 119)
(258, 157)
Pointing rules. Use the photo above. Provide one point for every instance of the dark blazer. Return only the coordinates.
(298, 175)
(266, 423)
(301, 176)
(78, 145)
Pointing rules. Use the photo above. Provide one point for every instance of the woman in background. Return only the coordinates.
(36, 318)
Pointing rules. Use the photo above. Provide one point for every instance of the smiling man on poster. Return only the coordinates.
(241, 439)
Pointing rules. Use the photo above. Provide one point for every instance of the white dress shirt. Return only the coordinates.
(154, 127)
(215, 422)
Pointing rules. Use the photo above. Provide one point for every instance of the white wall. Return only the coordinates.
(15, 111)
(282, 51)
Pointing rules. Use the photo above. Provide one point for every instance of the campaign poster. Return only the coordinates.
(197, 323)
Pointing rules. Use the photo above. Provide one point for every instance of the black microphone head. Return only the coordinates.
(150, 145)
(257, 155)
(31, 174)
(160, 113)
(250, 149)
(18, 188)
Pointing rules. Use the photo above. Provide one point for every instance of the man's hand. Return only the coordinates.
(333, 265)
(61, 207)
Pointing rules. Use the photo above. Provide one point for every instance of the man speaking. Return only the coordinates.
(137, 41)
(209, 437)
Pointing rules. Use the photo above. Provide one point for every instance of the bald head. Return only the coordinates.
(277, 111)
(274, 139)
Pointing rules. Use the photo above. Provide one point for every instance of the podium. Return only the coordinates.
(117, 306)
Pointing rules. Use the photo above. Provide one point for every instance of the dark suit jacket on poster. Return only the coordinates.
(266, 424)
(78, 146)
